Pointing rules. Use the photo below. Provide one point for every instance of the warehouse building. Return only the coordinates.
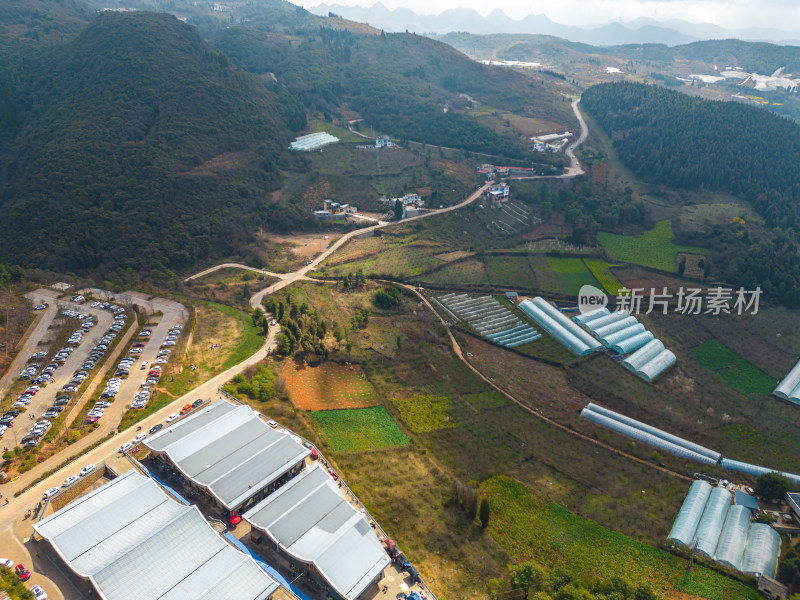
(229, 453)
(133, 542)
(310, 523)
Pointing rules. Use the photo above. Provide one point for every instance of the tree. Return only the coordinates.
(525, 576)
(483, 513)
(398, 210)
(387, 297)
(682, 266)
(771, 486)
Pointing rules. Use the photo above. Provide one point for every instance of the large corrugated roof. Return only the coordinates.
(135, 543)
(310, 518)
(229, 451)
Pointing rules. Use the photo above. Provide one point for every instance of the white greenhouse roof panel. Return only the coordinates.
(710, 526)
(611, 328)
(645, 437)
(756, 470)
(311, 520)
(570, 335)
(707, 452)
(685, 526)
(733, 538)
(762, 550)
(632, 343)
(608, 319)
(229, 451)
(589, 316)
(622, 335)
(789, 387)
(649, 361)
(133, 542)
(312, 141)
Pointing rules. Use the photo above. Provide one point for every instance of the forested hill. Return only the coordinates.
(669, 138)
(138, 145)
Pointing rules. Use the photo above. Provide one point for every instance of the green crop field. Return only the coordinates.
(425, 413)
(655, 248)
(401, 262)
(602, 272)
(357, 429)
(733, 369)
(467, 272)
(531, 527)
(510, 271)
(571, 274)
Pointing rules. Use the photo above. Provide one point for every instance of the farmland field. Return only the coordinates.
(463, 272)
(357, 429)
(571, 274)
(424, 413)
(400, 262)
(602, 272)
(510, 271)
(655, 248)
(733, 369)
(529, 526)
(328, 386)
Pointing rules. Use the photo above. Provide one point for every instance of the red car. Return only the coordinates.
(23, 573)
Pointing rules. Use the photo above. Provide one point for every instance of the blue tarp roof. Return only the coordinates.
(746, 500)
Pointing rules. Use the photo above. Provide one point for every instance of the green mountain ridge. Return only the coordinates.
(112, 133)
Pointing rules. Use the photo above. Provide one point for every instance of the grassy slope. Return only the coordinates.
(655, 248)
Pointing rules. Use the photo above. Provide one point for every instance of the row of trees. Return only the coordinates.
(470, 500)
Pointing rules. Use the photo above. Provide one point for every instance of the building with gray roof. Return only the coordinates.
(133, 542)
(312, 523)
(230, 453)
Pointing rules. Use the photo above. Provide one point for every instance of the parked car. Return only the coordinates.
(7, 563)
(40, 307)
(23, 573)
(51, 492)
(171, 418)
(155, 428)
(38, 593)
(197, 403)
(186, 409)
(125, 447)
(86, 470)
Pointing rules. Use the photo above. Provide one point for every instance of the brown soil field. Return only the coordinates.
(328, 386)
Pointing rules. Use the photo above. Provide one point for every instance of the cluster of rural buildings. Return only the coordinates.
(552, 142)
(137, 536)
(334, 210)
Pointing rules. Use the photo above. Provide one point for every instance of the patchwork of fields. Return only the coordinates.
(358, 429)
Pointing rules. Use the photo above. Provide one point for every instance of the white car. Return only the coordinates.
(171, 418)
(69, 481)
(51, 492)
(38, 593)
(139, 438)
(86, 470)
(7, 563)
(125, 447)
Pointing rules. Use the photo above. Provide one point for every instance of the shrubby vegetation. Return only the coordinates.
(259, 383)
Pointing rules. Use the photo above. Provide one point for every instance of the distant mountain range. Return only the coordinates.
(640, 31)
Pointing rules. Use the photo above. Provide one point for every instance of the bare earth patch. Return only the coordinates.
(328, 386)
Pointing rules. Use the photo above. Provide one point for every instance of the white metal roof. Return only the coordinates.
(313, 141)
(310, 518)
(135, 543)
(229, 451)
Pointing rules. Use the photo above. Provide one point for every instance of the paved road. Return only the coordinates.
(234, 266)
(575, 168)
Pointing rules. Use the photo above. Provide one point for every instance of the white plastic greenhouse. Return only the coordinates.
(591, 315)
(647, 438)
(596, 323)
(623, 334)
(649, 361)
(756, 470)
(668, 437)
(789, 387)
(710, 527)
(570, 335)
(489, 318)
(762, 550)
(606, 330)
(733, 538)
(632, 343)
(685, 525)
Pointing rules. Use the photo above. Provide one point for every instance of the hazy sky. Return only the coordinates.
(732, 14)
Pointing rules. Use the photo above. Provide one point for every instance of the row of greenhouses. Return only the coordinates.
(490, 319)
(624, 334)
(711, 526)
(789, 387)
(672, 444)
(554, 322)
